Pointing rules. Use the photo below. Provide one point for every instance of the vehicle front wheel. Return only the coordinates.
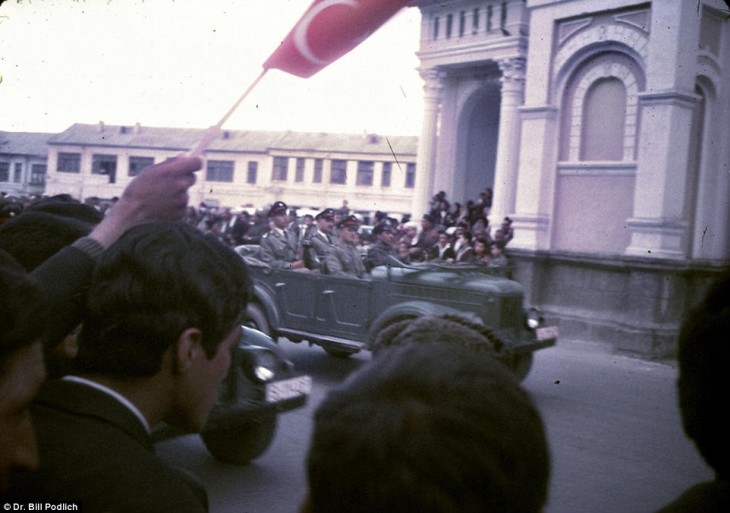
(256, 318)
(238, 441)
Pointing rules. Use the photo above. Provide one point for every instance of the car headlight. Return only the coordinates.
(265, 366)
(533, 318)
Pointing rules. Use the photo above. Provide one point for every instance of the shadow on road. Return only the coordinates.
(313, 360)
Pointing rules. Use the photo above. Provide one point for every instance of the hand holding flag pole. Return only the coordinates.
(325, 32)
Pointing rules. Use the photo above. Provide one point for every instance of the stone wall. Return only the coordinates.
(635, 305)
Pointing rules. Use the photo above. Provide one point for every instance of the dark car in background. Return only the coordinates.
(261, 383)
(343, 315)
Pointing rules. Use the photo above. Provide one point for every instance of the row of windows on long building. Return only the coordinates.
(37, 173)
(223, 170)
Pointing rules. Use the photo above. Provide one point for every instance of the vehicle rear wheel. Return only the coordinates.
(236, 440)
(521, 366)
(256, 318)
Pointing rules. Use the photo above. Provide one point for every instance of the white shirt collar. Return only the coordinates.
(116, 395)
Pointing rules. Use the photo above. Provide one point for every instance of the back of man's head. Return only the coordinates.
(431, 428)
(156, 281)
(450, 329)
(704, 376)
(36, 235)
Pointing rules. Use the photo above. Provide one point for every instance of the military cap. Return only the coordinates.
(349, 222)
(383, 228)
(278, 208)
(327, 213)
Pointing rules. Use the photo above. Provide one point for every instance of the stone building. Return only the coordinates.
(242, 168)
(603, 128)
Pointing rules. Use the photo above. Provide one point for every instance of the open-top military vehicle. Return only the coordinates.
(343, 315)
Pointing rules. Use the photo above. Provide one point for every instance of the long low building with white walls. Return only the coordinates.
(242, 168)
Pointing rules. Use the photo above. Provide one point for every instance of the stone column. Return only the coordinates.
(508, 149)
(427, 142)
(659, 225)
(535, 183)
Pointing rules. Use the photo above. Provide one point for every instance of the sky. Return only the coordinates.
(184, 63)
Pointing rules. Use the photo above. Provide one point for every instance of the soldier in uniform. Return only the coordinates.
(320, 241)
(344, 258)
(279, 246)
(384, 245)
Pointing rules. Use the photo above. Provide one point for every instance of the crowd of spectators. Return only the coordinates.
(448, 233)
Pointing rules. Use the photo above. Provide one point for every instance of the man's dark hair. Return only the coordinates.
(19, 300)
(66, 206)
(36, 235)
(156, 281)
(428, 428)
(704, 376)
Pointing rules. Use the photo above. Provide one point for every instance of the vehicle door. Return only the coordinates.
(296, 295)
(343, 307)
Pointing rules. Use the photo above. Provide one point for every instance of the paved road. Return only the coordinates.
(613, 425)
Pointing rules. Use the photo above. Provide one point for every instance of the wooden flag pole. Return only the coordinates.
(214, 131)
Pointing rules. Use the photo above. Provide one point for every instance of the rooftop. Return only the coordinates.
(182, 139)
(24, 143)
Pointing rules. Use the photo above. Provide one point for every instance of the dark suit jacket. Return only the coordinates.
(94, 450)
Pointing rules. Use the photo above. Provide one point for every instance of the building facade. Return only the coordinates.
(23, 157)
(602, 126)
(242, 168)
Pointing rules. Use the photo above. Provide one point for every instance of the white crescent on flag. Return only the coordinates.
(327, 31)
(302, 28)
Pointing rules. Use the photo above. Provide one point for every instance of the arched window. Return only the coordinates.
(604, 121)
(600, 110)
(598, 143)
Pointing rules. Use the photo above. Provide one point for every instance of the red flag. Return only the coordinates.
(327, 31)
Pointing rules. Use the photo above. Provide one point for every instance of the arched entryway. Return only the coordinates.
(477, 136)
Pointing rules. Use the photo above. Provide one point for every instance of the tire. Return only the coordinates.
(256, 318)
(521, 366)
(238, 442)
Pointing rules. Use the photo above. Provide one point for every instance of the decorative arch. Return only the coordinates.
(584, 43)
(579, 223)
(477, 136)
(707, 182)
(606, 65)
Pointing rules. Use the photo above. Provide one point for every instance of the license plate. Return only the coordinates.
(546, 332)
(288, 389)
